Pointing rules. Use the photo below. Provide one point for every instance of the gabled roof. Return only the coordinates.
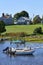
(26, 18)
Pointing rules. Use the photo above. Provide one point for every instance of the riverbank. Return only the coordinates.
(34, 38)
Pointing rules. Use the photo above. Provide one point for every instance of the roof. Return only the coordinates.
(26, 18)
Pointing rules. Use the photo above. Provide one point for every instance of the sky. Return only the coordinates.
(33, 7)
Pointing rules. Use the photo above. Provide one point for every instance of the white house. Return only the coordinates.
(7, 19)
(23, 20)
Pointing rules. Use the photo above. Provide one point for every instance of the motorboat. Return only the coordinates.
(16, 51)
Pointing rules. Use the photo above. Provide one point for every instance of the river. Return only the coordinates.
(35, 59)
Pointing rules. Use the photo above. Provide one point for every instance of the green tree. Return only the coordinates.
(21, 14)
(17, 15)
(2, 27)
(24, 14)
(36, 19)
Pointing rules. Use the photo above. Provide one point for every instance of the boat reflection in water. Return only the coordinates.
(18, 43)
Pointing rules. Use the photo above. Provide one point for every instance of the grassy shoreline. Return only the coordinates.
(13, 32)
(35, 38)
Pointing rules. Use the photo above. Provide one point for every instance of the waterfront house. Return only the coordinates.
(8, 20)
(23, 21)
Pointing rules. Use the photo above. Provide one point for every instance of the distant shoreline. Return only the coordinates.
(35, 38)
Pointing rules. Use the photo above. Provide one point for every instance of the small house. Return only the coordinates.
(7, 19)
(23, 21)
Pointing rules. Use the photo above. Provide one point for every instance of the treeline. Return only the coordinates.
(37, 19)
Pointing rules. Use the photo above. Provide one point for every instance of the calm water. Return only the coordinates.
(35, 59)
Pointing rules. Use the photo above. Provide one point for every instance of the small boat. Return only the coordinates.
(24, 51)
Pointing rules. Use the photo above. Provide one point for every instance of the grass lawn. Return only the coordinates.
(22, 28)
(25, 28)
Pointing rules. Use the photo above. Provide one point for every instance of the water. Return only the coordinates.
(35, 59)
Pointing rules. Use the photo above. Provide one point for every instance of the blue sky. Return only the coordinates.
(13, 6)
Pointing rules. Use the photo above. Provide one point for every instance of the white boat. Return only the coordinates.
(24, 51)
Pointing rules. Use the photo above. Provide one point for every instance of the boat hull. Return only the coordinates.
(25, 53)
(20, 51)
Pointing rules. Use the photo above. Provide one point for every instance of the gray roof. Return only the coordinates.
(26, 18)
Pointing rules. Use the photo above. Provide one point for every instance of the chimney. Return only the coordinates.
(2, 14)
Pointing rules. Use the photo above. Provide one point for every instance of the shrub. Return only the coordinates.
(23, 34)
(38, 30)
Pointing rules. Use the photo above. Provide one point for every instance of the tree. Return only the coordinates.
(24, 14)
(21, 14)
(36, 19)
(2, 27)
(17, 15)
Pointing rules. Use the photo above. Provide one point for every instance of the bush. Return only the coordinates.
(23, 34)
(38, 30)
(2, 27)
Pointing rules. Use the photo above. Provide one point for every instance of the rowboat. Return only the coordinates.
(24, 51)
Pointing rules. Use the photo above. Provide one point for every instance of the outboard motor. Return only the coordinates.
(6, 49)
